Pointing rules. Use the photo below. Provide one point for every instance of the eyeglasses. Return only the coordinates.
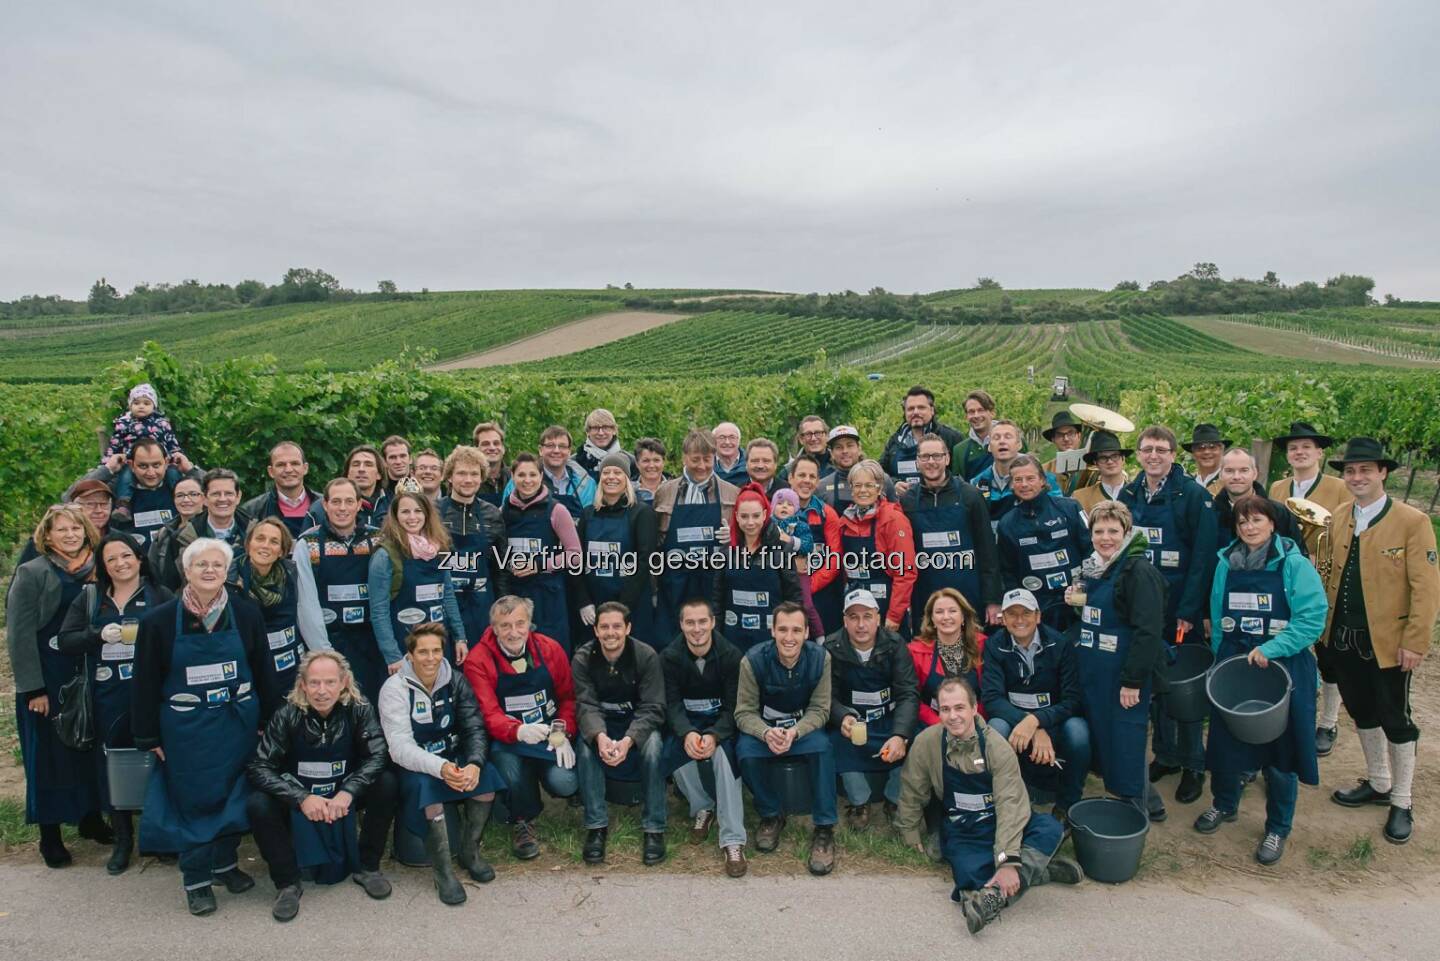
(1155, 450)
(812, 434)
(929, 457)
(865, 487)
(209, 565)
(188, 495)
(554, 446)
(1206, 447)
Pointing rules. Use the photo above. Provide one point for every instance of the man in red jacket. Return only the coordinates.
(522, 681)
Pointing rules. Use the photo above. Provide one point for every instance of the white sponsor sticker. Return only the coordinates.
(1059, 535)
(694, 535)
(148, 519)
(320, 769)
(1154, 535)
(731, 619)
(280, 639)
(1032, 583)
(517, 703)
(429, 592)
(906, 468)
(780, 718)
(1049, 561)
(346, 592)
(1109, 642)
(1090, 615)
(973, 802)
(870, 698)
(117, 652)
(103, 673)
(1277, 625)
(1029, 702)
(328, 615)
(210, 673)
(1169, 558)
(751, 598)
(1029, 541)
(1249, 602)
(1252, 625)
(702, 705)
(1227, 624)
(411, 615)
(940, 539)
(525, 545)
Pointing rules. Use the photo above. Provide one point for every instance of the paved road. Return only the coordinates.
(572, 913)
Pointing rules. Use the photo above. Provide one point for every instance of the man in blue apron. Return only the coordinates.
(782, 704)
(701, 676)
(898, 460)
(620, 706)
(874, 705)
(1031, 693)
(954, 542)
(335, 558)
(694, 512)
(526, 692)
(322, 755)
(995, 846)
(1041, 542)
(476, 528)
(1178, 518)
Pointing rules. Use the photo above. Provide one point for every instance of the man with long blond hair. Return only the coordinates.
(322, 755)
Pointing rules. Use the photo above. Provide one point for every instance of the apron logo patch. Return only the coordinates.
(411, 615)
(1032, 583)
(1227, 624)
(103, 673)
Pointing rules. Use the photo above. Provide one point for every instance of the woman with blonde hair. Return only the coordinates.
(878, 545)
(61, 784)
(948, 644)
(322, 755)
(407, 584)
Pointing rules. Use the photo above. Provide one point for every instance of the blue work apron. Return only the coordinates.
(1044, 549)
(568, 498)
(151, 510)
(282, 637)
(865, 689)
(61, 785)
(529, 697)
(420, 600)
(861, 570)
(342, 583)
(1256, 609)
(692, 532)
(752, 592)
(935, 674)
(112, 670)
(702, 700)
(330, 851)
(530, 533)
(474, 580)
(944, 552)
(827, 601)
(1117, 735)
(1169, 551)
(617, 693)
(784, 696)
(608, 547)
(208, 725)
(433, 724)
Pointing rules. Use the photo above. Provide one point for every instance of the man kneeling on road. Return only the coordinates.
(996, 847)
(781, 706)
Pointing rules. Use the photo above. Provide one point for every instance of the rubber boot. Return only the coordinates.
(124, 840)
(477, 814)
(437, 849)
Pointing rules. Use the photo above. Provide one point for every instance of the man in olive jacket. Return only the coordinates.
(1384, 593)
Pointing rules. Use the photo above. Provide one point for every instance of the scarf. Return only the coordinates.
(1094, 567)
(598, 453)
(268, 588)
(695, 493)
(81, 568)
(857, 513)
(209, 614)
(422, 548)
(1242, 557)
(952, 658)
(522, 503)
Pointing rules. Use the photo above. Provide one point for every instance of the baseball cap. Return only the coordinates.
(862, 597)
(844, 430)
(1019, 597)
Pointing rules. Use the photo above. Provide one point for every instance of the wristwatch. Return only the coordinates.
(1001, 858)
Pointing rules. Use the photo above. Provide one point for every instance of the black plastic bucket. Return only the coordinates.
(1253, 702)
(1109, 838)
(1186, 676)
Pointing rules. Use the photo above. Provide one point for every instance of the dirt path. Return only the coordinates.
(565, 339)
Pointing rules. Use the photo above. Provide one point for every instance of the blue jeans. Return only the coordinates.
(199, 865)
(1281, 790)
(1072, 746)
(1176, 743)
(523, 776)
(858, 788)
(759, 776)
(593, 771)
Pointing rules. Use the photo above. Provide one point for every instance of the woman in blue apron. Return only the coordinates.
(822, 566)
(437, 739)
(267, 575)
(757, 576)
(878, 546)
(102, 626)
(197, 667)
(1267, 603)
(948, 644)
(618, 534)
(407, 583)
(476, 528)
(1119, 651)
(542, 545)
(61, 784)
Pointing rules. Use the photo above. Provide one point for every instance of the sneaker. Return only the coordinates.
(735, 863)
(857, 817)
(1325, 740)
(287, 903)
(1210, 821)
(822, 851)
(1398, 825)
(1360, 795)
(981, 907)
(767, 835)
(1192, 783)
(700, 827)
(1271, 849)
(235, 880)
(375, 884)
(201, 901)
(524, 842)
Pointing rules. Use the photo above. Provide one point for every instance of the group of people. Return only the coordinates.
(955, 630)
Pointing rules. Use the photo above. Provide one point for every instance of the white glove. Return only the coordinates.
(110, 633)
(564, 755)
(532, 733)
(587, 614)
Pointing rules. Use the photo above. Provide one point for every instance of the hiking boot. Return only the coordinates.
(1210, 821)
(735, 863)
(822, 851)
(287, 903)
(767, 835)
(524, 842)
(1063, 871)
(983, 906)
(857, 817)
(700, 827)
(1271, 849)
(201, 901)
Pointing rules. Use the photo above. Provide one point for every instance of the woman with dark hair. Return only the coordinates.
(1267, 603)
(101, 626)
(618, 532)
(650, 466)
(407, 584)
(948, 644)
(267, 574)
(542, 545)
(61, 785)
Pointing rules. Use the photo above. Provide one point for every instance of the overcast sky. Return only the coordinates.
(774, 145)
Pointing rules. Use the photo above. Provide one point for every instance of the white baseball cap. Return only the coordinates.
(844, 430)
(862, 597)
(1019, 598)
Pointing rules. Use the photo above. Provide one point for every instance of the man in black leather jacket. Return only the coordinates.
(322, 755)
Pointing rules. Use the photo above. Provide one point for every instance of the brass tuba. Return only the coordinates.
(1315, 523)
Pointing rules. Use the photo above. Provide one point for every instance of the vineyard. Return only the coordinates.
(1412, 334)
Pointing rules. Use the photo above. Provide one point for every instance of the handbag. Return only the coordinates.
(75, 720)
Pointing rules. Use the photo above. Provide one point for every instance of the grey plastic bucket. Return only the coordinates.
(1109, 838)
(1253, 702)
(1186, 676)
(128, 772)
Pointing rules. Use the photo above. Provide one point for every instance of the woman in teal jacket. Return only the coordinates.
(1268, 604)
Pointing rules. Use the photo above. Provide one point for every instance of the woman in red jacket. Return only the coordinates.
(947, 644)
(877, 544)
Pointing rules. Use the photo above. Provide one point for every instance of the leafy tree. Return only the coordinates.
(247, 290)
(103, 297)
(388, 287)
(1270, 280)
(987, 283)
(1205, 271)
(1128, 285)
